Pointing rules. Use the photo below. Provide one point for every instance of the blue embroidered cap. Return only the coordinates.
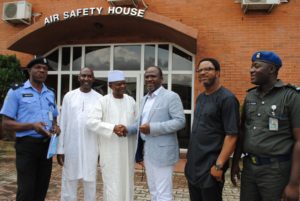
(269, 57)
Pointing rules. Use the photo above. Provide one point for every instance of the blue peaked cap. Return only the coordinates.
(269, 57)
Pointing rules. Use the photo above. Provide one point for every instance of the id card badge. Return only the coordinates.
(50, 115)
(273, 124)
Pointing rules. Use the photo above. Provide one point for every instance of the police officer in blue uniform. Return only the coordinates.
(270, 135)
(30, 110)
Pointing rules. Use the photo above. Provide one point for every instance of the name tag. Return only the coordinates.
(27, 95)
(273, 124)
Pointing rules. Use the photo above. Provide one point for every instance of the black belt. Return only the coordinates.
(32, 139)
(259, 160)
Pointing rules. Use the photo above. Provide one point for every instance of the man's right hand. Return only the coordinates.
(120, 130)
(39, 127)
(60, 159)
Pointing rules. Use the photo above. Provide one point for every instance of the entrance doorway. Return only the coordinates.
(175, 62)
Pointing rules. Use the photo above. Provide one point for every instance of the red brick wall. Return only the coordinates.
(224, 32)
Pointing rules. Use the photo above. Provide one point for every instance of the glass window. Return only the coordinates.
(182, 84)
(65, 81)
(66, 58)
(75, 82)
(77, 58)
(97, 57)
(51, 82)
(100, 85)
(163, 56)
(165, 81)
(181, 60)
(149, 56)
(53, 61)
(131, 87)
(127, 57)
(183, 135)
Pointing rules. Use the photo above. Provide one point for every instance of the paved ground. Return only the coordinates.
(8, 182)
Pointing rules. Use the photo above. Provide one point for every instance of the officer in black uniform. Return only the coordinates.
(30, 110)
(270, 136)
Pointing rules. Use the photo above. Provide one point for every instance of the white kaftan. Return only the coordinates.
(116, 153)
(79, 146)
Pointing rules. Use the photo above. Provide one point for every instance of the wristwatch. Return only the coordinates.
(218, 167)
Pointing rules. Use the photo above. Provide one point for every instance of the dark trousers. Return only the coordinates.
(213, 193)
(264, 182)
(33, 170)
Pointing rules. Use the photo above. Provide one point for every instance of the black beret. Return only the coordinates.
(38, 60)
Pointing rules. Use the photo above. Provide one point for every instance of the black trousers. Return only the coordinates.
(33, 169)
(213, 193)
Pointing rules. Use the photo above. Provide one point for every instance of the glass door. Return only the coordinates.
(133, 87)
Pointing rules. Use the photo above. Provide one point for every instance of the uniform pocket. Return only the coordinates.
(28, 103)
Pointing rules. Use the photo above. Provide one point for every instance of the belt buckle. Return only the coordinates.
(253, 160)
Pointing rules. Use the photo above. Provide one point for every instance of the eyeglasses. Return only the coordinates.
(207, 69)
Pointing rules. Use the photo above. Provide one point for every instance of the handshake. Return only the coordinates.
(120, 130)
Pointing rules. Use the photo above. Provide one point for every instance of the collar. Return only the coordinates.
(27, 84)
(155, 93)
(278, 84)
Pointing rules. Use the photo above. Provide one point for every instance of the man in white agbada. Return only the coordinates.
(116, 152)
(77, 147)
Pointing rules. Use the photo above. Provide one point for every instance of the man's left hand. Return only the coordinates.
(145, 128)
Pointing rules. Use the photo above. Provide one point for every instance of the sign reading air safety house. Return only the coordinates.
(94, 11)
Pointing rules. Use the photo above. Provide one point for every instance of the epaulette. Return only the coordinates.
(54, 92)
(251, 88)
(52, 89)
(293, 87)
(16, 86)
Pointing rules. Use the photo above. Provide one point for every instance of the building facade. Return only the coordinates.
(131, 35)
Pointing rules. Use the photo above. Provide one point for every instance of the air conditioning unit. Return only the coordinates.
(17, 12)
(123, 2)
(266, 5)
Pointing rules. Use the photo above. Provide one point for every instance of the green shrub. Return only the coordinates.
(10, 73)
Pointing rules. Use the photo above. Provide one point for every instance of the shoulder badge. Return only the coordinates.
(16, 86)
(293, 87)
(251, 88)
